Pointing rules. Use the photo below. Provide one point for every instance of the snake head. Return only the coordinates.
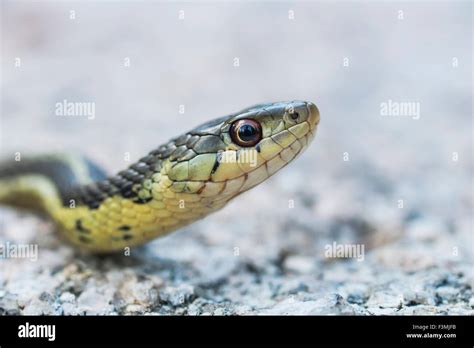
(229, 155)
(283, 123)
(264, 138)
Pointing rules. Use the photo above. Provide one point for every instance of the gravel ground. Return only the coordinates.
(400, 187)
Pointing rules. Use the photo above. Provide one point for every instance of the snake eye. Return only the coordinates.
(246, 132)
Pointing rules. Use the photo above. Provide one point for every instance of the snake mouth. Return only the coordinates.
(313, 115)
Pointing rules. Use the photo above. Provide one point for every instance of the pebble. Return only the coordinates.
(177, 296)
(299, 264)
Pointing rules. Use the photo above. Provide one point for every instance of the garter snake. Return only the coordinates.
(174, 185)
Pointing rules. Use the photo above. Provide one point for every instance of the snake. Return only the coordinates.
(176, 184)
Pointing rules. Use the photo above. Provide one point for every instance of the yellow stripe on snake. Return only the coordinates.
(182, 181)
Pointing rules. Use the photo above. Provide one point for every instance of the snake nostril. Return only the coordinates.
(294, 115)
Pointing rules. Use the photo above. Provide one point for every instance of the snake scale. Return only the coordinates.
(180, 182)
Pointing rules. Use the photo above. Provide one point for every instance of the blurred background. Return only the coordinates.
(399, 185)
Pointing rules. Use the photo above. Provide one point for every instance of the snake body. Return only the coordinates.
(180, 182)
